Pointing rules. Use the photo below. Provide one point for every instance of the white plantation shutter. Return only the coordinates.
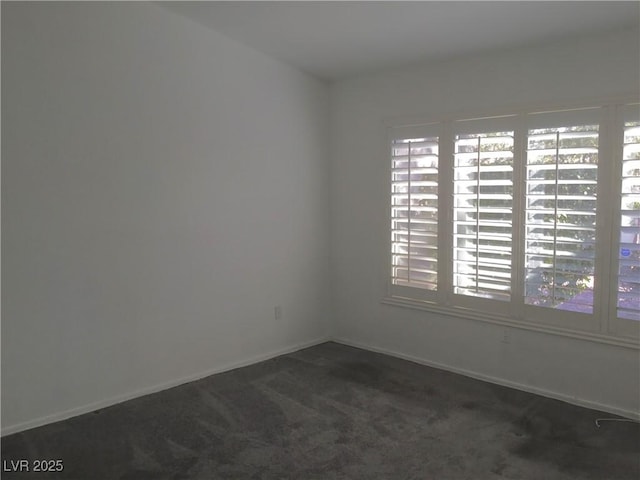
(482, 223)
(414, 212)
(560, 224)
(628, 292)
(532, 218)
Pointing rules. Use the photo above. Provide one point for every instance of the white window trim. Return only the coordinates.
(616, 325)
(602, 326)
(489, 124)
(562, 318)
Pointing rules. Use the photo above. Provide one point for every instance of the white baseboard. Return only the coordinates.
(498, 381)
(73, 412)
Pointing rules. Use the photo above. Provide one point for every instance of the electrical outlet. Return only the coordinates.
(277, 310)
(506, 336)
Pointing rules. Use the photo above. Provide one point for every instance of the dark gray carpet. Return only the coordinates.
(335, 412)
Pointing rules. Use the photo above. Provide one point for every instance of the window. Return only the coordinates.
(414, 211)
(628, 281)
(482, 225)
(560, 229)
(512, 218)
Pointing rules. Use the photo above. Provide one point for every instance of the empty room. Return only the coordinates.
(320, 240)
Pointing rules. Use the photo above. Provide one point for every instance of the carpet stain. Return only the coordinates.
(357, 372)
(470, 405)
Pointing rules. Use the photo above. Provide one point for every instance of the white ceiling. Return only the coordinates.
(334, 40)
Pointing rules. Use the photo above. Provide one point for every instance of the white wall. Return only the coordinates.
(580, 371)
(163, 189)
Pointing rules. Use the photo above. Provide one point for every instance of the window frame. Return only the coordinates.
(618, 326)
(403, 133)
(551, 316)
(466, 126)
(601, 325)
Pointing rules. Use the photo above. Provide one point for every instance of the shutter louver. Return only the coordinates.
(482, 225)
(628, 301)
(414, 212)
(560, 225)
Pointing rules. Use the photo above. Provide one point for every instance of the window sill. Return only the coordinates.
(468, 314)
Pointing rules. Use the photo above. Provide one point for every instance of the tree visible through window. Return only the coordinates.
(414, 212)
(530, 218)
(482, 226)
(562, 179)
